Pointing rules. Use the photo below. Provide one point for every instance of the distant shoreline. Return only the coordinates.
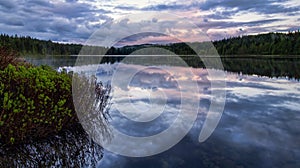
(220, 56)
(274, 44)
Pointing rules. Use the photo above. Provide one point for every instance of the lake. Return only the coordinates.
(259, 126)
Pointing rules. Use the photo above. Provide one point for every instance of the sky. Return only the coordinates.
(74, 21)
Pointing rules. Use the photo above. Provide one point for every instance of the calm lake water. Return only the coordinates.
(259, 126)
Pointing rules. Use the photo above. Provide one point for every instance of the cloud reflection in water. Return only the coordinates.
(259, 127)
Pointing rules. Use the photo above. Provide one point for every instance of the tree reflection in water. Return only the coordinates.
(71, 148)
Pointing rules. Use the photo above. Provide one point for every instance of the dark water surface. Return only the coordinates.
(260, 125)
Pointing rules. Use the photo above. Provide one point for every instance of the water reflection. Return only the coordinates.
(259, 126)
(53, 61)
(67, 149)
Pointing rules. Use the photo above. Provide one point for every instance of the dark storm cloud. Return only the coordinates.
(8, 5)
(127, 8)
(162, 7)
(75, 10)
(69, 10)
(218, 16)
(157, 7)
(206, 24)
(265, 6)
(12, 21)
(60, 21)
(38, 3)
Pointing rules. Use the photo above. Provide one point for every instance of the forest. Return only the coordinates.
(32, 46)
(272, 54)
(261, 44)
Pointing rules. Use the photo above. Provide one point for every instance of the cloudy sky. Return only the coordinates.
(76, 20)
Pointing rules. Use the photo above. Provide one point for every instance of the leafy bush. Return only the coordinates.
(34, 102)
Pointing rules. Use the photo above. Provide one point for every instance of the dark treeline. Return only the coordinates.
(239, 54)
(31, 46)
(262, 44)
(263, 66)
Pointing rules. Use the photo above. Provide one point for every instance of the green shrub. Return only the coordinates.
(34, 102)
